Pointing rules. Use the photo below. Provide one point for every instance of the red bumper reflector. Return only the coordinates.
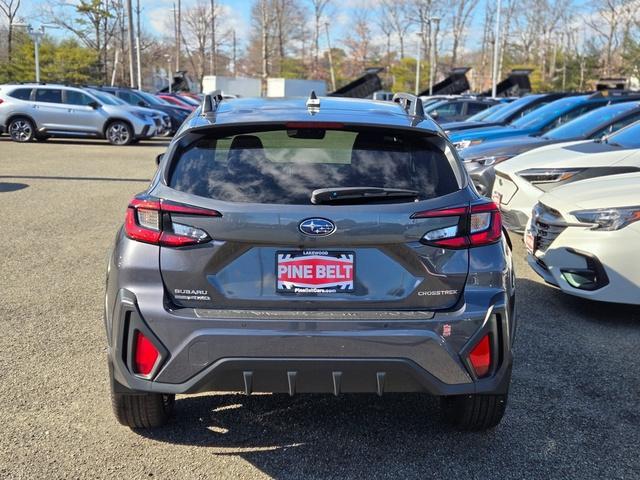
(480, 357)
(145, 354)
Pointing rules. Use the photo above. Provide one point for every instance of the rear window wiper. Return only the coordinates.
(359, 194)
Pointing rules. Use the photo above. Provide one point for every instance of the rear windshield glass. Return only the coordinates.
(285, 166)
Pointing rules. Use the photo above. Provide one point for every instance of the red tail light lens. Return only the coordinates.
(145, 222)
(477, 225)
(145, 354)
(480, 357)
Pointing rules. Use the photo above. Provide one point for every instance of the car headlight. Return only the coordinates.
(462, 144)
(607, 219)
(542, 177)
(489, 160)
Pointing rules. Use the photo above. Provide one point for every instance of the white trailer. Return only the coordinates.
(287, 87)
(242, 86)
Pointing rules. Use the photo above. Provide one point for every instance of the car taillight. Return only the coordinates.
(145, 354)
(477, 225)
(150, 221)
(480, 357)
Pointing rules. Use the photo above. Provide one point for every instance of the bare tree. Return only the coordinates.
(399, 14)
(462, 12)
(359, 41)
(606, 22)
(318, 10)
(196, 30)
(9, 9)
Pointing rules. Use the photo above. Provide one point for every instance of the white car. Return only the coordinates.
(583, 238)
(521, 180)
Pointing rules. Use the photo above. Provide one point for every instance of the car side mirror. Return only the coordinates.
(94, 105)
(141, 103)
(159, 158)
(434, 114)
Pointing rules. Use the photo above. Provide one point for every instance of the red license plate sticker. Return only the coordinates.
(315, 271)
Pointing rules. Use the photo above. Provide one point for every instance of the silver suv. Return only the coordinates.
(38, 111)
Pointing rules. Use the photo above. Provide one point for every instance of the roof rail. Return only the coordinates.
(410, 104)
(211, 102)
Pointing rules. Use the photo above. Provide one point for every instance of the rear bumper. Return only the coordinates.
(272, 355)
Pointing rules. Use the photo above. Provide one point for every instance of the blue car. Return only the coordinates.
(539, 121)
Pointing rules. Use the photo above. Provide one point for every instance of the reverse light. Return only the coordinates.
(480, 357)
(477, 225)
(145, 354)
(149, 221)
(608, 219)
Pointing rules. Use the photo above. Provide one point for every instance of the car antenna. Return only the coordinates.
(313, 102)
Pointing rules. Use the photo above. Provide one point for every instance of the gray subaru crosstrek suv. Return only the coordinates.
(330, 245)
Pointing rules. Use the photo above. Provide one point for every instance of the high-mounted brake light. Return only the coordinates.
(150, 221)
(145, 354)
(318, 125)
(480, 357)
(477, 225)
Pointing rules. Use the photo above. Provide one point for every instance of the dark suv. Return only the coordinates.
(334, 245)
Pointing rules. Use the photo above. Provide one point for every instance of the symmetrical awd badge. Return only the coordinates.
(317, 227)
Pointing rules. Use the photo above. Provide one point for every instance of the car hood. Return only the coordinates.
(504, 147)
(571, 154)
(603, 192)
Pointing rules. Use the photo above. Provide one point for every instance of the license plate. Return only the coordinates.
(530, 241)
(315, 271)
(497, 198)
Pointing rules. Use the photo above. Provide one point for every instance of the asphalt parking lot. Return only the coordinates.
(573, 412)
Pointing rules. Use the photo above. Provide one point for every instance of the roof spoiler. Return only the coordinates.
(410, 104)
(211, 102)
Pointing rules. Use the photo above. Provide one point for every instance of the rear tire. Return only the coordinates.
(473, 412)
(21, 129)
(119, 132)
(147, 410)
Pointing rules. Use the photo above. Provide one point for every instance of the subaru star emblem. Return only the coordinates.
(317, 227)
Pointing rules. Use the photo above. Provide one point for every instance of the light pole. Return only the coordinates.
(36, 35)
(496, 48)
(333, 74)
(433, 26)
(418, 57)
(169, 79)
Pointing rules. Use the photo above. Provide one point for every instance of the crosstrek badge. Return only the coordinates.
(315, 272)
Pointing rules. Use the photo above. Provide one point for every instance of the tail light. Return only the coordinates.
(149, 220)
(480, 357)
(145, 354)
(477, 225)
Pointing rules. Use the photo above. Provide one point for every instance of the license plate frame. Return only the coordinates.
(312, 272)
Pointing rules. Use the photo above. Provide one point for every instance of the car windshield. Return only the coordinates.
(485, 114)
(433, 106)
(188, 100)
(549, 113)
(511, 108)
(582, 126)
(106, 98)
(152, 99)
(628, 137)
(285, 166)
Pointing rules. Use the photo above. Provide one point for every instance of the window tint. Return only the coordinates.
(475, 107)
(49, 95)
(285, 166)
(582, 126)
(546, 115)
(570, 115)
(128, 97)
(451, 108)
(21, 93)
(78, 98)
